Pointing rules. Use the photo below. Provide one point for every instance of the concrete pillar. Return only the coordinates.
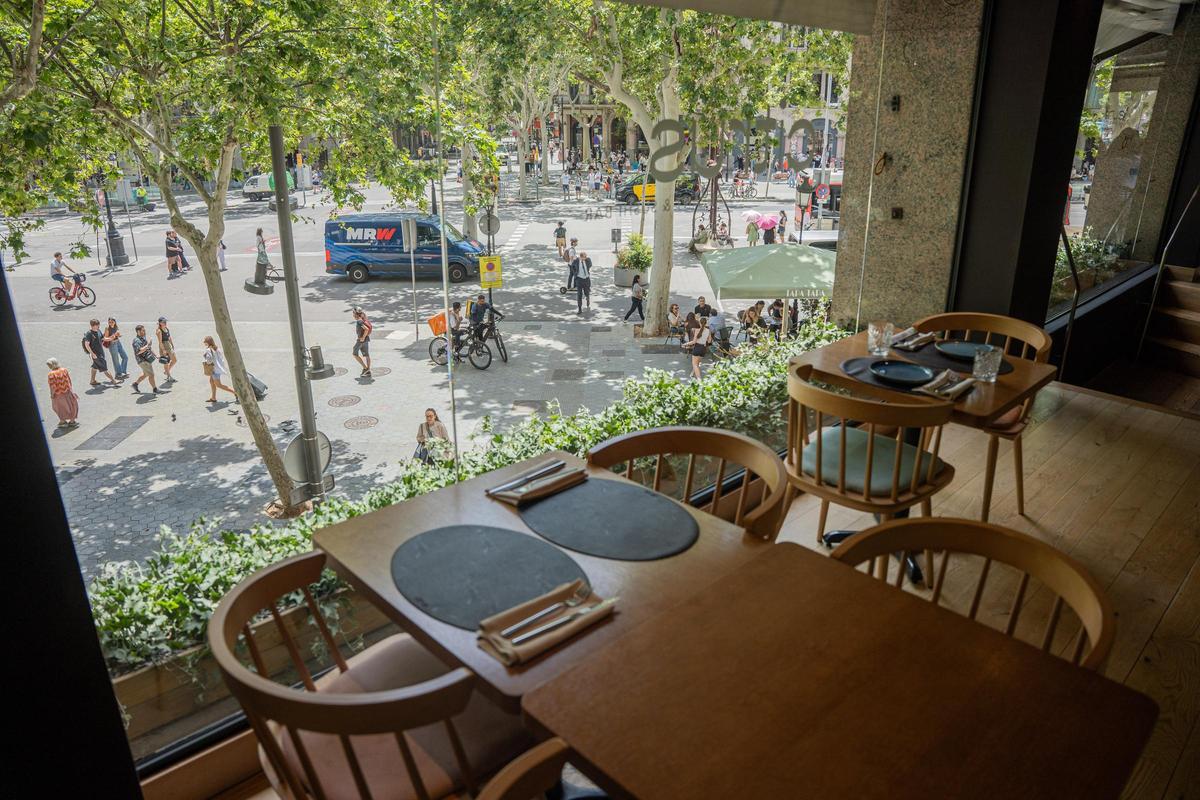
(568, 134)
(897, 265)
(605, 133)
(631, 138)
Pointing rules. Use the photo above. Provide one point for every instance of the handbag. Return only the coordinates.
(421, 453)
(208, 368)
(164, 359)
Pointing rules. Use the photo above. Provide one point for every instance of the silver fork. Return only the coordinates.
(581, 594)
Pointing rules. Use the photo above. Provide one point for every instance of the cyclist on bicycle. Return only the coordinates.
(56, 273)
(481, 313)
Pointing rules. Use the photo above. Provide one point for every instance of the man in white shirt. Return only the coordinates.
(56, 272)
(572, 257)
(583, 281)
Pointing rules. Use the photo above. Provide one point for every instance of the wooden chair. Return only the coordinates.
(1019, 339)
(534, 773)
(838, 449)
(389, 722)
(1060, 573)
(758, 510)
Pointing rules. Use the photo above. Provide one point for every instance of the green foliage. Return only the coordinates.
(1095, 260)
(153, 611)
(637, 255)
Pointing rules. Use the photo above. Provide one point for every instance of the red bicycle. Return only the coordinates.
(83, 294)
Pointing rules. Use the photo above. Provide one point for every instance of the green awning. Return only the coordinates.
(770, 271)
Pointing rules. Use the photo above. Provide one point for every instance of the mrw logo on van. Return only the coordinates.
(370, 234)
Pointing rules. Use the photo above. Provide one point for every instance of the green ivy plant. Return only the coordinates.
(151, 612)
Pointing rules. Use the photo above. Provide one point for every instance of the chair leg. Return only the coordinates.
(927, 507)
(821, 522)
(927, 511)
(1019, 466)
(990, 475)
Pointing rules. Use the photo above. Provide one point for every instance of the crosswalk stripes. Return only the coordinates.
(515, 237)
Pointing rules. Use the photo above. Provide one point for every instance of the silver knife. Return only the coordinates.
(526, 477)
(563, 620)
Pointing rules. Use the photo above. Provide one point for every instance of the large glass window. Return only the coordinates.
(1131, 130)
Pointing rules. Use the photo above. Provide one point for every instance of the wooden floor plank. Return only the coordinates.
(1169, 672)
(1185, 782)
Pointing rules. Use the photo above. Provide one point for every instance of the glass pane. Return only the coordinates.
(1131, 131)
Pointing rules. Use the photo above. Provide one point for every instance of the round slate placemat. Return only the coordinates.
(463, 574)
(613, 519)
(929, 356)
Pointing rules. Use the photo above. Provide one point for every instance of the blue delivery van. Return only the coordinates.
(362, 245)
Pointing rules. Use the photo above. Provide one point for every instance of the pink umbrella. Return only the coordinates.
(768, 221)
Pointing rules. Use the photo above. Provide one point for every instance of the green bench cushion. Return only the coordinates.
(882, 461)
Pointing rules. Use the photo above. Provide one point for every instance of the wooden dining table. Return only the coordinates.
(360, 550)
(796, 676)
(978, 408)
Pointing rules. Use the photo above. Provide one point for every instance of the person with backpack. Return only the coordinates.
(92, 346)
(143, 353)
(362, 342)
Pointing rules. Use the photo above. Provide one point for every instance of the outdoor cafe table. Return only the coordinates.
(360, 549)
(796, 676)
(982, 405)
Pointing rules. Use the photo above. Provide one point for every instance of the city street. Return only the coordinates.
(138, 461)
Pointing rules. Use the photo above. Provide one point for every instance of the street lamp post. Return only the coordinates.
(117, 257)
(804, 191)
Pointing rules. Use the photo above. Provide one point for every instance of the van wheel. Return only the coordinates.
(358, 273)
(458, 273)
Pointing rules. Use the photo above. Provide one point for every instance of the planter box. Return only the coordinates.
(162, 695)
(624, 277)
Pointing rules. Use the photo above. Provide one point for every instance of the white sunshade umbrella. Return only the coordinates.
(751, 216)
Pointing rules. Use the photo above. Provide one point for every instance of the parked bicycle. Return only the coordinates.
(478, 353)
(490, 331)
(83, 294)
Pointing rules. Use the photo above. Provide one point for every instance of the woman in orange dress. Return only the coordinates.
(62, 396)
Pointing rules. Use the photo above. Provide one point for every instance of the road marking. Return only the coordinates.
(515, 237)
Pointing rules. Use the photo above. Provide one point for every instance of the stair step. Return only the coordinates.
(1176, 323)
(1181, 294)
(1174, 354)
(1185, 274)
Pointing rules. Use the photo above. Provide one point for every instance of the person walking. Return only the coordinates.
(221, 256)
(701, 339)
(166, 349)
(566, 184)
(94, 347)
(215, 369)
(362, 341)
(751, 233)
(176, 262)
(63, 399)
(143, 353)
(560, 238)
(261, 261)
(636, 294)
(583, 281)
(431, 428)
(781, 229)
(112, 340)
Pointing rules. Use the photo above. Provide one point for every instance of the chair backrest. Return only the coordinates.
(533, 773)
(268, 703)
(1018, 338)
(1062, 575)
(762, 518)
(812, 408)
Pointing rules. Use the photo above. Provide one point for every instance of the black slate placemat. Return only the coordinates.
(928, 356)
(463, 574)
(613, 519)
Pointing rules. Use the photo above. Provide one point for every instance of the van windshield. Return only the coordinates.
(452, 234)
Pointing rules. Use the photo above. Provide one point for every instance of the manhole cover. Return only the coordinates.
(241, 421)
(343, 400)
(379, 372)
(361, 423)
(339, 371)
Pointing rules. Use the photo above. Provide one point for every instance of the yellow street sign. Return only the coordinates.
(489, 272)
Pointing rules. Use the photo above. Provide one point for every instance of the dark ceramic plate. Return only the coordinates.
(901, 373)
(961, 351)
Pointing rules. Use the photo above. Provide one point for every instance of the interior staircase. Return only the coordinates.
(1174, 337)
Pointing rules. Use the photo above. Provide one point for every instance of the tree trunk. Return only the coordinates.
(272, 458)
(545, 154)
(470, 224)
(522, 176)
(659, 297)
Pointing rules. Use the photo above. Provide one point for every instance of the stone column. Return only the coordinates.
(605, 134)
(586, 148)
(568, 124)
(896, 265)
(631, 138)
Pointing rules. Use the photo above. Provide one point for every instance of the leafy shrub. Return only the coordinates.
(149, 612)
(638, 255)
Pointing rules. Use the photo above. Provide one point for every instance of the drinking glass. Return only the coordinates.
(987, 363)
(879, 337)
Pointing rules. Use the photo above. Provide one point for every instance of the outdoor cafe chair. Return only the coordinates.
(850, 450)
(391, 721)
(972, 543)
(1018, 339)
(756, 503)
